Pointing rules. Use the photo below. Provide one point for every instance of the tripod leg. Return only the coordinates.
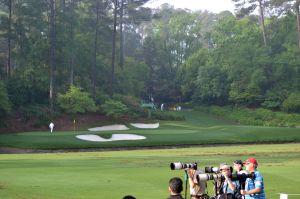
(186, 181)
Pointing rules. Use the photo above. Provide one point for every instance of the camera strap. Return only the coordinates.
(252, 195)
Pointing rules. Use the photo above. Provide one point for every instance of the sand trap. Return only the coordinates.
(114, 137)
(145, 126)
(116, 127)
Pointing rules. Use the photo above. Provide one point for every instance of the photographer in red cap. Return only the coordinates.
(254, 188)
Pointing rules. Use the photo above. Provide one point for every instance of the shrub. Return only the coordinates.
(76, 101)
(5, 105)
(260, 117)
(292, 103)
(133, 104)
(114, 108)
(37, 114)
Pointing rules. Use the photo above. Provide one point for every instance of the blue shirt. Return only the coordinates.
(226, 188)
(254, 183)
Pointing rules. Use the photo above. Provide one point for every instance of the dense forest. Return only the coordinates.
(77, 56)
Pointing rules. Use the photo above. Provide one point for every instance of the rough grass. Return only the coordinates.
(143, 173)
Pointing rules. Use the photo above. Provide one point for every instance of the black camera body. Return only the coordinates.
(242, 177)
(179, 165)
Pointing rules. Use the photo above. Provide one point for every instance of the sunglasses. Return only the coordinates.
(224, 169)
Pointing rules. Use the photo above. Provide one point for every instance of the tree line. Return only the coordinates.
(108, 47)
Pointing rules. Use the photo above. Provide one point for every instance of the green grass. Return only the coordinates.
(198, 128)
(143, 173)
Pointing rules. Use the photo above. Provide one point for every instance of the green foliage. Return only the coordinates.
(201, 56)
(273, 99)
(292, 103)
(211, 85)
(114, 108)
(76, 101)
(167, 115)
(28, 85)
(188, 72)
(5, 105)
(133, 104)
(131, 80)
(37, 115)
(101, 98)
(259, 117)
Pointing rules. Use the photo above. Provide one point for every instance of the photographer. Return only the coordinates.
(175, 188)
(254, 188)
(228, 186)
(197, 190)
(238, 167)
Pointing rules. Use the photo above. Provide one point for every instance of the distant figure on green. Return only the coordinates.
(51, 126)
(162, 107)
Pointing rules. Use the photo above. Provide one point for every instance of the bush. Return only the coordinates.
(76, 101)
(114, 108)
(259, 117)
(37, 114)
(5, 105)
(292, 103)
(133, 104)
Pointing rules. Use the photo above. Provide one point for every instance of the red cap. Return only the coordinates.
(251, 160)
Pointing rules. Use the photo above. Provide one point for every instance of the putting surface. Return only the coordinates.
(198, 129)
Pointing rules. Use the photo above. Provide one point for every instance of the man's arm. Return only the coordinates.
(191, 174)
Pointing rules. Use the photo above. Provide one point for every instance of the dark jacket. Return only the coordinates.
(175, 197)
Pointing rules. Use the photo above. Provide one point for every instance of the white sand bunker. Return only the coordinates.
(114, 137)
(145, 126)
(116, 127)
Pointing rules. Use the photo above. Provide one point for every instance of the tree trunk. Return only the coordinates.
(95, 51)
(9, 40)
(113, 56)
(121, 35)
(52, 53)
(262, 19)
(298, 22)
(72, 47)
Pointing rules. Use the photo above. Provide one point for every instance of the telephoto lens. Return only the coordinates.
(212, 169)
(207, 176)
(179, 165)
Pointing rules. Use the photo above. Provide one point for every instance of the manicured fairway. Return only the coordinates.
(198, 128)
(143, 173)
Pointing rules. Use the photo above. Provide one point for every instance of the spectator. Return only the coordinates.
(197, 190)
(228, 186)
(238, 167)
(175, 188)
(254, 188)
